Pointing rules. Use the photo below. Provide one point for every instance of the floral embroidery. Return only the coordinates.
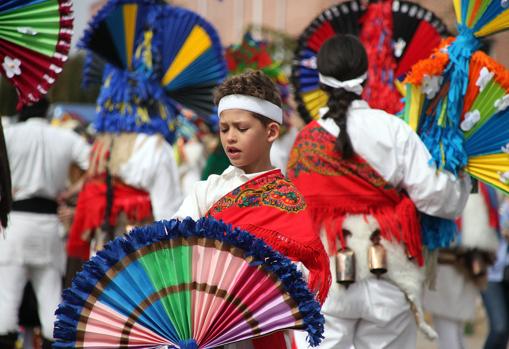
(314, 152)
(271, 190)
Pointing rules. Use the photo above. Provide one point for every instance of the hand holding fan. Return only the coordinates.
(457, 99)
(35, 37)
(396, 35)
(184, 285)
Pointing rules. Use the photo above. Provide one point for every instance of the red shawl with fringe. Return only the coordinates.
(271, 208)
(334, 187)
(89, 214)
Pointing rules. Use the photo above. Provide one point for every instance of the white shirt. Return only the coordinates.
(281, 148)
(40, 156)
(152, 167)
(397, 153)
(206, 193)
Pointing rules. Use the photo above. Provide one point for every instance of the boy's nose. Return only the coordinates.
(232, 137)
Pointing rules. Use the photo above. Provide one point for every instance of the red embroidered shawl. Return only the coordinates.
(334, 187)
(270, 207)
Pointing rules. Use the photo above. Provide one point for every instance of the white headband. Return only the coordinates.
(354, 85)
(252, 104)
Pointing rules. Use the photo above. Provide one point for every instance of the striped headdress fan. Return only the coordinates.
(457, 99)
(35, 38)
(396, 35)
(158, 58)
(185, 285)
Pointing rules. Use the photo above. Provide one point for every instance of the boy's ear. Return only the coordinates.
(272, 131)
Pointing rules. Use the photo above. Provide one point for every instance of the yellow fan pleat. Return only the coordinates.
(130, 12)
(197, 43)
(416, 101)
(487, 168)
(500, 22)
(494, 182)
(400, 87)
(314, 100)
(457, 10)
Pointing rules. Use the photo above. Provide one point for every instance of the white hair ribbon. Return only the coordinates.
(353, 85)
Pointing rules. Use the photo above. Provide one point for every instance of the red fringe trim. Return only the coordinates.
(380, 92)
(397, 223)
(313, 256)
(90, 208)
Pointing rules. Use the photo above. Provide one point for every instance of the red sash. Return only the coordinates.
(334, 187)
(270, 207)
(90, 208)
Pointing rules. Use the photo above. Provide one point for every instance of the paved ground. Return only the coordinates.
(474, 340)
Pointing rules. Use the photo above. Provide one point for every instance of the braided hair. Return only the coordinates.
(344, 58)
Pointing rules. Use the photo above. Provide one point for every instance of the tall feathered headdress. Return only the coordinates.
(157, 59)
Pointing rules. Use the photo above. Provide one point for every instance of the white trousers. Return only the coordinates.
(371, 314)
(47, 284)
(450, 332)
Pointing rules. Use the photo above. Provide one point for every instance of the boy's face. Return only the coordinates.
(246, 140)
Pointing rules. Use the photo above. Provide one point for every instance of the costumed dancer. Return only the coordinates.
(252, 54)
(35, 38)
(365, 175)
(33, 249)
(462, 268)
(251, 194)
(172, 58)
(457, 101)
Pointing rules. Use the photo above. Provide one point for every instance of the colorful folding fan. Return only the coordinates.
(184, 285)
(396, 35)
(457, 99)
(158, 58)
(35, 37)
(254, 54)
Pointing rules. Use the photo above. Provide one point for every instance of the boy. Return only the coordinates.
(251, 194)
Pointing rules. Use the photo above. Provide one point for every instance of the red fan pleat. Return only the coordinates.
(38, 71)
(425, 39)
(321, 34)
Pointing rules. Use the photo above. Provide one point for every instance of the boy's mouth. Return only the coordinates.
(233, 152)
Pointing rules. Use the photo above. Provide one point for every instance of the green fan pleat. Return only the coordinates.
(164, 274)
(485, 103)
(43, 18)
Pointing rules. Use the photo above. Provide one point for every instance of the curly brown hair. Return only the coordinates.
(251, 83)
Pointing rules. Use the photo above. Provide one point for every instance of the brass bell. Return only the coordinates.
(377, 260)
(345, 267)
